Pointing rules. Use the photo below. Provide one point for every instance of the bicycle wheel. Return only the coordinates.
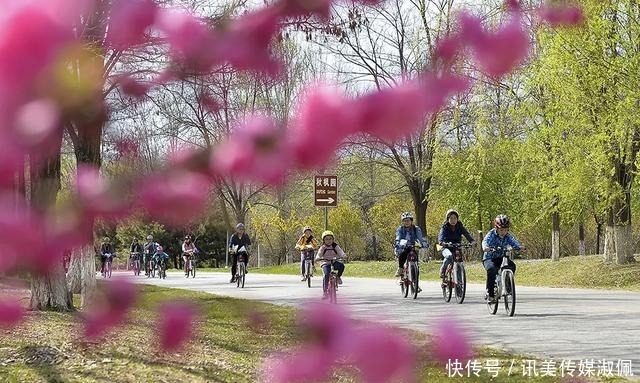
(333, 298)
(152, 270)
(108, 269)
(446, 286)
(510, 294)
(493, 307)
(244, 275)
(193, 268)
(415, 274)
(461, 286)
(309, 280)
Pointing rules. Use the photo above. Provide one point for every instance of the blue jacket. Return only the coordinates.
(455, 235)
(412, 235)
(493, 240)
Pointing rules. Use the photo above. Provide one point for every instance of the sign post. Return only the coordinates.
(326, 194)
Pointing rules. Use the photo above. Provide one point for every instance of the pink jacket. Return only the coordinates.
(325, 252)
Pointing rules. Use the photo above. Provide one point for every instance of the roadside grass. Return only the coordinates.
(579, 272)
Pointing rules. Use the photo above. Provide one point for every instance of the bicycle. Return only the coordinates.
(190, 264)
(241, 272)
(332, 285)
(409, 280)
(162, 269)
(308, 264)
(151, 266)
(135, 263)
(107, 268)
(455, 277)
(505, 285)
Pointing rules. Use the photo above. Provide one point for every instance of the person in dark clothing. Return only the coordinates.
(238, 244)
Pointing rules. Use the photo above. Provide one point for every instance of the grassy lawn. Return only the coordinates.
(588, 272)
(45, 348)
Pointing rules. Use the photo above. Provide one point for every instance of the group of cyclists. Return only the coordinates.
(150, 254)
(330, 255)
(409, 238)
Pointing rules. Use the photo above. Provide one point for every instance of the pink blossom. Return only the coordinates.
(497, 52)
(12, 159)
(448, 47)
(128, 22)
(568, 15)
(174, 197)
(329, 324)
(132, 87)
(128, 148)
(392, 113)
(312, 363)
(121, 294)
(450, 341)
(256, 151)
(11, 312)
(382, 355)
(175, 325)
(37, 122)
(208, 102)
(295, 8)
(20, 225)
(438, 90)
(323, 121)
(192, 42)
(119, 297)
(96, 197)
(245, 42)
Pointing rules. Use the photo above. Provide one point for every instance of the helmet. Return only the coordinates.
(187, 237)
(149, 237)
(240, 226)
(305, 229)
(450, 212)
(502, 221)
(106, 239)
(406, 215)
(327, 233)
(159, 248)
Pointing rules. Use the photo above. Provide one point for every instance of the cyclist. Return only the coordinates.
(160, 257)
(105, 248)
(326, 253)
(412, 234)
(136, 247)
(303, 244)
(499, 236)
(188, 249)
(238, 240)
(451, 232)
(150, 249)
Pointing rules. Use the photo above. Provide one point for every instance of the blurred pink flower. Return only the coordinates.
(325, 118)
(310, 364)
(499, 52)
(328, 325)
(450, 341)
(245, 42)
(295, 8)
(128, 148)
(382, 355)
(557, 15)
(255, 151)
(175, 197)
(208, 102)
(448, 47)
(119, 297)
(11, 312)
(176, 323)
(132, 87)
(128, 22)
(96, 197)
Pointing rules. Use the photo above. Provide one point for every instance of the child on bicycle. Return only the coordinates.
(188, 250)
(160, 257)
(306, 243)
(451, 231)
(331, 255)
(499, 236)
(106, 250)
(412, 234)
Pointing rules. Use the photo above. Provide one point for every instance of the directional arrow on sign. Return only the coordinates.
(327, 200)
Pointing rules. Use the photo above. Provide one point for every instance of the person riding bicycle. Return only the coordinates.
(499, 236)
(451, 232)
(306, 243)
(136, 247)
(188, 249)
(105, 248)
(327, 253)
(150, 249)
(238, 240)
(412, 234)
(160, 257)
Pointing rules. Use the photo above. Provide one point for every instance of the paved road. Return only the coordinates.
(549, 322)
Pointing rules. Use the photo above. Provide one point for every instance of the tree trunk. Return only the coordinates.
(609, 238)
(555, 236)
(49, 291)
(581, 244)
(88, 276)
(74, 272)
(622, 230)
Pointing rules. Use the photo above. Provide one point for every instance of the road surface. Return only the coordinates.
(554, 323)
